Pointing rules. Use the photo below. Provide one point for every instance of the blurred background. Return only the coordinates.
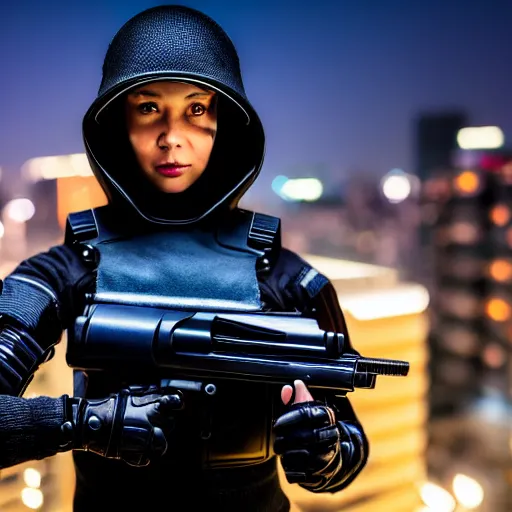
(389, 160)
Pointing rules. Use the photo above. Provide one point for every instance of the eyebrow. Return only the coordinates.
(145, 92)
(195, 94)
(153, 94)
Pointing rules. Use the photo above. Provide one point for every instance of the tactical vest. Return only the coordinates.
(183, 269)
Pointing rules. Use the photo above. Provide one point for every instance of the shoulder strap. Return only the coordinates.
(263, 235)
(80, 227)
(249, 231)
(264, 232)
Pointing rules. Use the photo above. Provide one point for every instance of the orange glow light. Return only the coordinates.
(500, 270)
(500, 215)
(498, 310)
(76, 193)
(467, 182)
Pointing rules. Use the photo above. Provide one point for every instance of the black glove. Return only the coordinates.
(308, 440)
(129, 425)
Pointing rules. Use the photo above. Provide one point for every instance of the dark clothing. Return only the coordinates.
(29, 428)
(179, 475)
(48, 292)
(177, 488)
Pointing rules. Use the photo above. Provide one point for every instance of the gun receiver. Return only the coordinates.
(267, 347)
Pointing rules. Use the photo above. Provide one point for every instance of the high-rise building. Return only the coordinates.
(469, 217)
(471, 282)
(436, 140)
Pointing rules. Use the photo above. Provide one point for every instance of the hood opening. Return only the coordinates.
(233, 165)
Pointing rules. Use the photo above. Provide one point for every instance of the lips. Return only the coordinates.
(171, 170)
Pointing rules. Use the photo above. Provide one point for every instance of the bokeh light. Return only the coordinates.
(467, 182)
(468, 491)
(19, 210)
(396, 186)
(480, 137)
(497, 309)
(500, 215)
(32, 498)
(500, 270)
(436, 498)
(32, 478)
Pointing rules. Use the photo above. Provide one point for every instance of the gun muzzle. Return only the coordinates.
(390, 367)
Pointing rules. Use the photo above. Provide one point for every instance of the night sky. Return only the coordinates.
(337, 84)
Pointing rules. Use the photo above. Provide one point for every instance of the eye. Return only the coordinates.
(197, 109)
(147, 108)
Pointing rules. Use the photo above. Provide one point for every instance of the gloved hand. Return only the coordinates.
(128, 425)
(308, 439)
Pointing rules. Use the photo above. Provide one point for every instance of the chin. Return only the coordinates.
(174, 188)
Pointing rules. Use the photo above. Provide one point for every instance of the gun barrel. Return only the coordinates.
(391, 367)
(339, 374)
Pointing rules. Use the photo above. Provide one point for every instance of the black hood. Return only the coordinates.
(173, 43)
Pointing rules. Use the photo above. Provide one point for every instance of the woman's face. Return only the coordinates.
(171, 127)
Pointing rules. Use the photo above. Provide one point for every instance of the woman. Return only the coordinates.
(175, 143)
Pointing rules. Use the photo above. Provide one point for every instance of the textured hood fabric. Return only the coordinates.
(173, 43)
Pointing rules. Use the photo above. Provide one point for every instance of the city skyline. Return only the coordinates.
(338, 86)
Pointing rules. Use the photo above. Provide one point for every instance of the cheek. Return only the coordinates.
(140, 145)
(204, 148)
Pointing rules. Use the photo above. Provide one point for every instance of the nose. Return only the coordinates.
(172, 135)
